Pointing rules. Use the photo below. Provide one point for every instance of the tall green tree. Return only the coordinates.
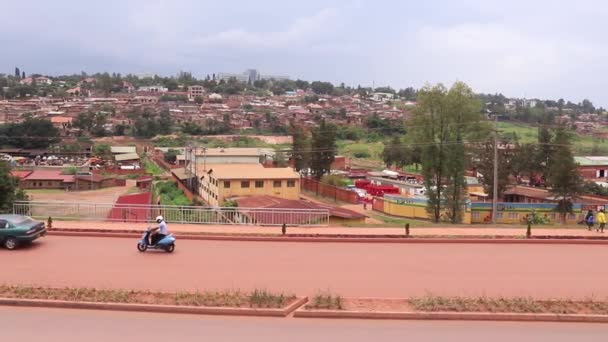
(544, 150)
(445, 119)
(396, 153)
(463, 110)
(301, 148)
(323, 149)
(563, 175)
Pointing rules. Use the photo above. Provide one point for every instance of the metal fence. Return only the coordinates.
(173, 214)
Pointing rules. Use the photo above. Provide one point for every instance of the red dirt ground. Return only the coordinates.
(350, 270)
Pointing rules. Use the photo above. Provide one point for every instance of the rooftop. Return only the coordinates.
(123, 149)
(592, 161)
(265, 201)
(49, 175)
(126, 156)
(235, 151)
(247, 171)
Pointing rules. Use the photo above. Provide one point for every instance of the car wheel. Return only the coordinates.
(11, 243)
(170, 248)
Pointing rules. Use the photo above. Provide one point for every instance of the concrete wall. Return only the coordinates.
(413, 209)
(215, 192)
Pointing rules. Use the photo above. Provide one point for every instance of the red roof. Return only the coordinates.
(20, 174)
(280, 203)
(122, 210)
(50, 175)
(92, 178)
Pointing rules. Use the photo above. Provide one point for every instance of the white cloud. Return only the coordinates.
(302, 31)
(500, 58)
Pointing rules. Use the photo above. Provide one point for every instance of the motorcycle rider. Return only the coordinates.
(159, 232)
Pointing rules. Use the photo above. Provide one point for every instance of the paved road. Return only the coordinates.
(377, 270)
(23, 324)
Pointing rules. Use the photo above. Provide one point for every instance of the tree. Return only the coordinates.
(301, 148)
(279, 159)
(445, 118)
(120, 130)
(171, 156)
(323, 149)
(322, 87)
(199, 99)
(9, 192)
(32, 133)
(524, 163)
(563, 177)
(103, 150)
(165, 122)
(395, 153)
(484, 164)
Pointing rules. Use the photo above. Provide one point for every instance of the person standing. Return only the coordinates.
(589, 220)
(601, 219)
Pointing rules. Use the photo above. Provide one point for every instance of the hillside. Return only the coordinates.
(583, 144)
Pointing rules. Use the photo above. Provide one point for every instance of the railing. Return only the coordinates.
(173, 214)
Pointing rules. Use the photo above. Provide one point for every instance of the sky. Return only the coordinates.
(535, 48)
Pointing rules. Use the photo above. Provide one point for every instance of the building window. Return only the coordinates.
(513, 215)
(476, 214)
(259, 184)
(226, 184)
(276, 184)
(291, 184)
(244, 184)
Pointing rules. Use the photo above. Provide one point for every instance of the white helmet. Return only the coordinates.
(159, 219)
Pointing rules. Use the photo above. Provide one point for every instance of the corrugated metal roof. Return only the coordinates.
(123, 149)
(126, 156)
(592, 161)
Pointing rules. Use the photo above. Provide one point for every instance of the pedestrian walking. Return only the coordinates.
(601, 219)
(589, 220)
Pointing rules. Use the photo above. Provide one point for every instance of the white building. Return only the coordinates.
(154, 89)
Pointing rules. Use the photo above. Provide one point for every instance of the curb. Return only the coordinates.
(565, 240)
(451, 316)
(150, 308)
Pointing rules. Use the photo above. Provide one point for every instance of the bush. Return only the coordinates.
(170, 194)
(70, 170)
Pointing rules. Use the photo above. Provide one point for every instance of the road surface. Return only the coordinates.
(25, 324)
(348, 269)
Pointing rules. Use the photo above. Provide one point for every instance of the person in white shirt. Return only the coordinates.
(160, 231)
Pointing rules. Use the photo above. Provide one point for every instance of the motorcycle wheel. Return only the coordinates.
(170, 248)
(141, 247)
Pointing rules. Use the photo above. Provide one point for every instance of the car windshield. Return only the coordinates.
(21, 220)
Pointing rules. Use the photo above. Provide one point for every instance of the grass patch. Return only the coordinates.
(361, 149)
(170, 194)
(254, 299)
(326, 301)
(583, 144)
(152, 168)
(507, 305)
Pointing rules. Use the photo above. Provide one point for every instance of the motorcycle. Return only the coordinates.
(166, 244)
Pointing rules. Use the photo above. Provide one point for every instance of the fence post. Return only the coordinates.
(407, 229)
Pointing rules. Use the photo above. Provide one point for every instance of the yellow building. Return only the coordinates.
(220, 182)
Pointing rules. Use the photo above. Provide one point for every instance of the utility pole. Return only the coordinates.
(495, 185)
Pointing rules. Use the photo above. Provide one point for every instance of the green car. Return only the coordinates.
(16, 229)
